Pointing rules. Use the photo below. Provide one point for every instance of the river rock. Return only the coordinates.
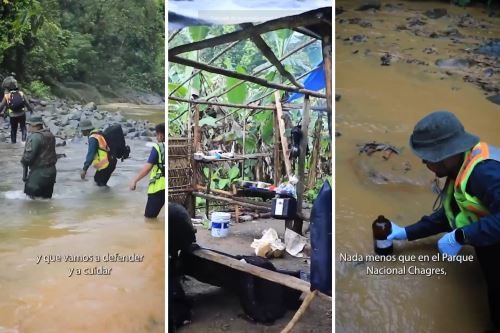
(369, 4)
(494, 99)
(90, 107)
(452, 63)
(490, 48)
(436, 13)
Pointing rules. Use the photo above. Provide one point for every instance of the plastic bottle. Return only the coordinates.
(381, 229)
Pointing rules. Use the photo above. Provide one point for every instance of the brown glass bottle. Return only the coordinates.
(381, 229)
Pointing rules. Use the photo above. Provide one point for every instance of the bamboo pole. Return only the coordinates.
(284, 142)
(276, 151)
(288, 22)
(313, 163)
(300, 312)
(327, 64)
(303, 152)
(221, 104)
(199, 70)
(236, 75)
(271, 57)
(235, 198)
(231, 201)
(292, 52)
(283, 279)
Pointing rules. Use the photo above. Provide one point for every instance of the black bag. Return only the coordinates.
(116, 142)
(15, 102)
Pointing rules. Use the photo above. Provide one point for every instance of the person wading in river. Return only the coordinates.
(97, 154)
(155, 165)
(40, 157)
(14, 105)
(469, 204)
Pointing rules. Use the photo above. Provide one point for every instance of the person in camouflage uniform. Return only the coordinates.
(40, 157)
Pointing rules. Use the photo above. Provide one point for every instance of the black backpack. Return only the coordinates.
(116, 142)
(15, 101)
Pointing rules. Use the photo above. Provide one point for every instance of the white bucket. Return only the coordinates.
(220, 224)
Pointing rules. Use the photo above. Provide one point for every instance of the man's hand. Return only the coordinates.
(132, 185)
(448, 244)
(83, 173)
(398, 233)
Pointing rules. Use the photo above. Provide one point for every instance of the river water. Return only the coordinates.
(383, 103)
(84, 220)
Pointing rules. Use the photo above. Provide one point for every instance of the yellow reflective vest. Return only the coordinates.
(157, 175)
(471, 209)
(101, 160)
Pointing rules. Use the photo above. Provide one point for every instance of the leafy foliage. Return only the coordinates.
(98, 42)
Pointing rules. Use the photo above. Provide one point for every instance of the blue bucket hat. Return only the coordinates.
(440, 135)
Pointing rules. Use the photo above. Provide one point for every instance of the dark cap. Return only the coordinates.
(440, 135)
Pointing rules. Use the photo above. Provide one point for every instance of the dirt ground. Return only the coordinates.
(216, 310)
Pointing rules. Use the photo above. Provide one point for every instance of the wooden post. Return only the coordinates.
(209, 181)
(313, 163)
(284, 142)
(191, 199)
(236, 207)
(327, 64)
(303, 152)
(276, 150)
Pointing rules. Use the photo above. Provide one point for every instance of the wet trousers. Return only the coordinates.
(101, 177)
(490, 266)
(155, 203)
(14, 123)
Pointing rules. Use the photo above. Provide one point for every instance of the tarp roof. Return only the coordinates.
(182, 13)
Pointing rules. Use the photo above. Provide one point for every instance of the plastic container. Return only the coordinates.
(219, 222)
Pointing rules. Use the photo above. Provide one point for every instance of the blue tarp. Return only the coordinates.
(314, 81)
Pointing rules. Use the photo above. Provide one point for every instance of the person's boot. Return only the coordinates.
(23, 131)
(12, 137)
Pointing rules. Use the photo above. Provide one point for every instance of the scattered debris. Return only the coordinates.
(361, 22)
(337, 134)
(436, 13)
(490, 48)
(371, 147)
(386, 59)
(356, 38)
(337, 97)
(269, 245)
(295, 243)
(369, 4)
(430, 50)
(339, 10)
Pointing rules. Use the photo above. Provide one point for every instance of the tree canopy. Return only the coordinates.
(98, 42)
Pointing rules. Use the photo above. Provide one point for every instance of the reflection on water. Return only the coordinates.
(81, 219)
(383, 103)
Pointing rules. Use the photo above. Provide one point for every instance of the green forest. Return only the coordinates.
(108, 45)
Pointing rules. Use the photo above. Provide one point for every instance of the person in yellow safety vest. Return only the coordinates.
(97, 154)
(470, 210)
(155, 166)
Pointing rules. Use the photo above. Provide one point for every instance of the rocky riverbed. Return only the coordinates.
(62, 118)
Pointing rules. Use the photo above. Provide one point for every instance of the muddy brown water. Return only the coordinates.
(383, 103)
(84, 220)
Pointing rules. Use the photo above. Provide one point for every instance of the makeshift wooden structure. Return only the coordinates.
(316, 24)
(283, 279)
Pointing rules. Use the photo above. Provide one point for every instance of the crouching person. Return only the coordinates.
(155, 166)
(40, 158)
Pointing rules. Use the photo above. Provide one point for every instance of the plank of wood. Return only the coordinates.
(283, 279)
(257, 206)
(300, 312)
(284, 142)
(288, 22)
(246, 77)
